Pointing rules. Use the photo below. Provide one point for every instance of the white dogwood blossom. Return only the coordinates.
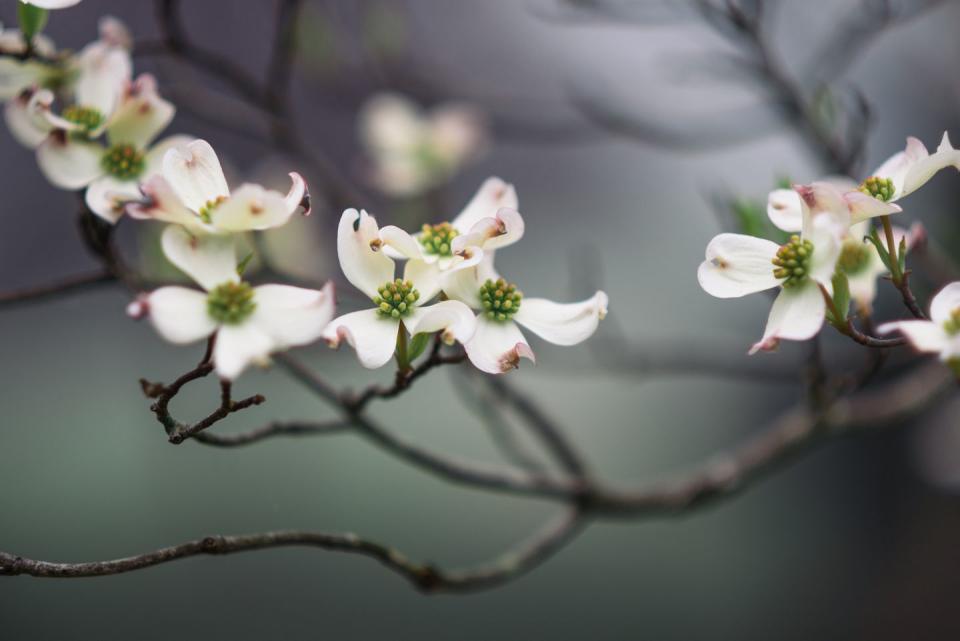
(488, 222)
(498, 343)
(112, 172)
(398, 303)
(250, 322)
(411, 151)
(737, 265)
(858, 260)
(939, 335)
(96, 80)
(908, 170)
(191, 190)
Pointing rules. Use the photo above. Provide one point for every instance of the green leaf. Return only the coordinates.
(874, 238)
(841, 299)
(242, 266)
(32, 20)
(902, 254)
(417, 344)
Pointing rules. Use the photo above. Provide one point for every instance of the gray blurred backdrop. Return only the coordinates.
(856, 540)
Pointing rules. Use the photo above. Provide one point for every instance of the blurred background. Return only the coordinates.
(855, 540)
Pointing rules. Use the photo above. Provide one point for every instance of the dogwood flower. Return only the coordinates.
(52, 4)
(939, 335)
(112, 173)
(489, 221)
(737, 265)
(498, 344)
(858, 260)
(910, 169)
(836, 196)
(190, 190)
(398, 303)
(98, 77)
(250, 322)
(412, 151)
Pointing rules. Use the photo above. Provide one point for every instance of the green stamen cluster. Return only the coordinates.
(793, 261)
(500, 299)
(437, 239)
(87, 117)
(854, 257)
(206, 212)
(231, 303)
(952, 325)
(879, 188)
(396, 299)
(124, 162)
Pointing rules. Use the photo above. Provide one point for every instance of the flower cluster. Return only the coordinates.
(94, 126)
(451, 261)
(835, 256)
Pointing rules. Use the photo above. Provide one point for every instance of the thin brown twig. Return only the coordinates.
(70, 285)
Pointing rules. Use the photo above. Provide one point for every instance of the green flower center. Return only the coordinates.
(854, 257)
(231, 303)
(437, 239)
(792, 262)
(124, 162)
(952, 325)
(396, 299)
(206, 212)
(87, 118)
(500, 299)
(879, 188)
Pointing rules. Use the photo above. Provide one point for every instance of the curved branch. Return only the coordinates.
(70, 285)
(423, 576)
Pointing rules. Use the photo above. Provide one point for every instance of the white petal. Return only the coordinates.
(210, 260)
(426, 278)
(53, 4)
(194, 173)
(797, 314)
(822, 199)
(69, 163)
(106, 197)
(238, 346)
(863, 207)
(180, 314)
(161, 203)
(500, 230)
(141, 115)
(494, 194)
(463, 285)
(944, 303)
(153, 159)
(784, 209)
(497, 347)
(15, 76)
(451, 317)
(373, 336)
(298, 197)
(23, 122)
(737, 265)
(292, 316)
(360, 250)
(898, 165)
(925, 336)
(827, 238)
(562, 324)
(399, 244)
(104, 72)
(925, 168)
(251, 207)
